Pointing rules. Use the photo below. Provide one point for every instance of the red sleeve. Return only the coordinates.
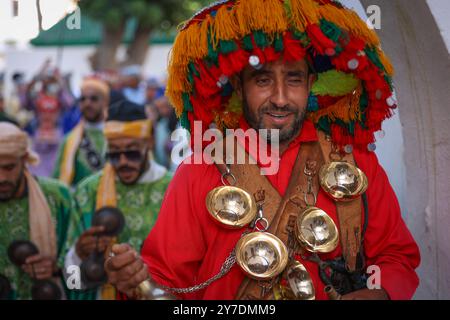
(388, 242)
(176, 245)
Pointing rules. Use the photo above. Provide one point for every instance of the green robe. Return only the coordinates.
(14, 225)
(140, 203)
(81, 165)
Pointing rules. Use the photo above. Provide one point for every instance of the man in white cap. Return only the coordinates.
(34, 209)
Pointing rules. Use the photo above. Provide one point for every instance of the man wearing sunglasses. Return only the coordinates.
(130, 181)
(83, 150)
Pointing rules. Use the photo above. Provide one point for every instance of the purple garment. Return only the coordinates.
(47, 151)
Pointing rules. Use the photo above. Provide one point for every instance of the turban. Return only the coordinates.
(127, 120)
(354, 92)
(96, 84)
(14, 142)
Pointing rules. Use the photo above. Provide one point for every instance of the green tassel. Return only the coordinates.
(227, 46)
(278, 43)
(247, 42)
(213, 55)
(330, 30)
(261, 39)
(324, 125)
(187, 105)
(333, 32)
(184, 121)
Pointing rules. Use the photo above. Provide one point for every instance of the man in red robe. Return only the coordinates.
(311, 80)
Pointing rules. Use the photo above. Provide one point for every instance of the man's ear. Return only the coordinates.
(236, 82)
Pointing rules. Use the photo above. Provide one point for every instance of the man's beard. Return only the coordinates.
(92, 117)
(143, 168)
(286, 134)
(4, 197)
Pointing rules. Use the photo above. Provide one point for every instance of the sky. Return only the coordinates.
(25, 26)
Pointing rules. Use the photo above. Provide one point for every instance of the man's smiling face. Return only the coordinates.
(276, 96)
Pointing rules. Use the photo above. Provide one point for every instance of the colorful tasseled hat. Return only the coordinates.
(353, 93)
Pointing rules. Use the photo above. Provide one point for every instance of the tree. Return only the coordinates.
(149, 15)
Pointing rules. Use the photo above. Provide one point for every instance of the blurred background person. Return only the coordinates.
(83, 149)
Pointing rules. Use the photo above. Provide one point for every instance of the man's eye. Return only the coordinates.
(262, 81)
(295, 81)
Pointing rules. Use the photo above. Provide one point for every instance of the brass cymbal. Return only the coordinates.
(261, 255)
(342, 180)
(297, 285)
(316, 231)
(231, 206)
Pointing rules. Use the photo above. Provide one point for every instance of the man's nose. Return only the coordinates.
(279, 94)
(123, 159)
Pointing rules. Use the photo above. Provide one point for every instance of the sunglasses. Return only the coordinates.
(132, 156)
(91, 98)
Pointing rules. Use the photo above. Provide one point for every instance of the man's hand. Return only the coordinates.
(367, 294)
(125, 270)
(40, 267)
(89, 242)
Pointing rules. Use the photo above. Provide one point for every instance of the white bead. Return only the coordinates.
(353, 64)
(255, 62)
(378, 94)
(223, 80)
(371, 147)
(348, 148)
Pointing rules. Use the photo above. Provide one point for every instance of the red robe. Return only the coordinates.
(186, 247)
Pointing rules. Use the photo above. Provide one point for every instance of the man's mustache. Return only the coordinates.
(126, 168)
(6, 184)
(275, 108)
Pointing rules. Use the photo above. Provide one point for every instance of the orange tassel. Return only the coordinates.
(266, 15)
(303, 13)
(346, 109)
(386, 62)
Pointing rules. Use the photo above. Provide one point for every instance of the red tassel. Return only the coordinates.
(319, 41)
(293, 50)
(207, 86)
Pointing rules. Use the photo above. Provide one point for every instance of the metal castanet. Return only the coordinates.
(92, 269)
(261, 255)
(342, 181)
(231, 207)
(18, 252)
(296, 283)
(316, 231)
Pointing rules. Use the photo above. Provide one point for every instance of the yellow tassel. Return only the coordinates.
(303, 13)
(346, 109)
(360, 28)
(224, 26)
(386, 62)
(176, 100)
(349, 20)
(266, 15)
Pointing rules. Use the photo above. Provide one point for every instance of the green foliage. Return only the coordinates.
(158, 14)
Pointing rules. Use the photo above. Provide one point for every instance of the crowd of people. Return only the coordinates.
(60, 154)
(47, 108)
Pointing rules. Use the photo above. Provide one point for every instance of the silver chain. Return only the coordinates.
(226, 267)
